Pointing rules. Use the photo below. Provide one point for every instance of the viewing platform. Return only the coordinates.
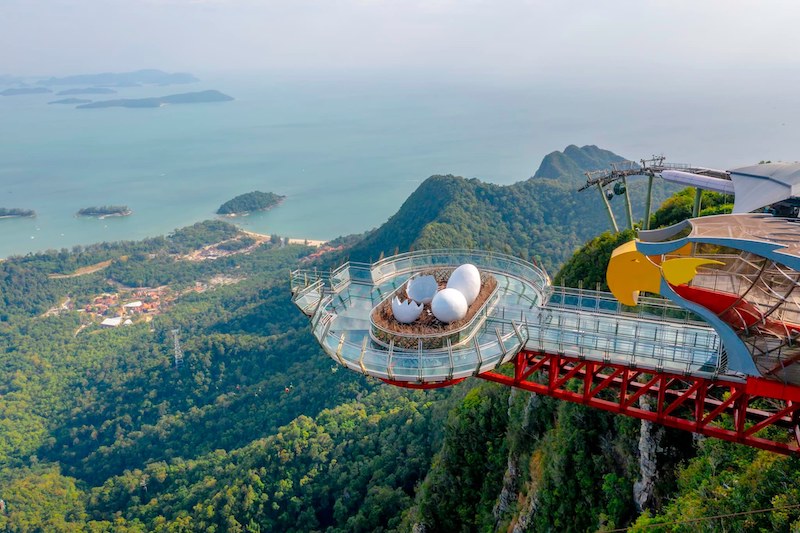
(525, 313)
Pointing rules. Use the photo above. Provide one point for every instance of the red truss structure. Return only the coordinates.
(737, 411)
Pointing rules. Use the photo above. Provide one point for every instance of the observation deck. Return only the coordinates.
(527, 314)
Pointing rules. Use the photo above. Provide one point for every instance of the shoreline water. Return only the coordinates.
(346, 151)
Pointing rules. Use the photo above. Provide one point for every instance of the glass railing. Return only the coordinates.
(384, 336)
(582, 323)
(339, 277)
(499, 344)
(637, 343)
(491, 261)
(605, 302)
(301, 278)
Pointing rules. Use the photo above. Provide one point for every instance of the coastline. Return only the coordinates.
(290, 240)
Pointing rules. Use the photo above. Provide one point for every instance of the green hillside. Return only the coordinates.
(543, 218)
(259, 431)
(573, 162)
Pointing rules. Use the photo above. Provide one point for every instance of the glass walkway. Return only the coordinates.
(527, 313)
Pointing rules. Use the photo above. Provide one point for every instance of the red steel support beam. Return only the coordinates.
(717, 408)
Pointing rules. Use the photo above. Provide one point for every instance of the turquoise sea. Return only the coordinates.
(345, 148)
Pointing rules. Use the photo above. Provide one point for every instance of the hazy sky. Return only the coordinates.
(501, 37)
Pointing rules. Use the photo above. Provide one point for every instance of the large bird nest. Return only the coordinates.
(427, 324)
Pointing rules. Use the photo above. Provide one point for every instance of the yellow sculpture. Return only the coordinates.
(630, 271)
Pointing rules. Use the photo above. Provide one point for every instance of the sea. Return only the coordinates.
(347, 148)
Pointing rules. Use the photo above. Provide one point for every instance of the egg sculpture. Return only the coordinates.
(422, 289)
(406, 312)
(467, 280)
(449, 305)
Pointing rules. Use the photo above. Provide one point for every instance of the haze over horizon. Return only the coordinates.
(709, 83)
(577, 39)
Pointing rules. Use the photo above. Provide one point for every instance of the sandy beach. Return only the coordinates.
(291, 240)
(309, 242)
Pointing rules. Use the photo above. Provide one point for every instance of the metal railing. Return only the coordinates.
(605, 302)
(529, 313)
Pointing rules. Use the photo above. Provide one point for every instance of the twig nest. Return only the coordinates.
(406, 312)
(467, 280)
(422, 289)
(449, 305)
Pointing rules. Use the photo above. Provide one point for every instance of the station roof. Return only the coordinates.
(765, 184)
(761, 233)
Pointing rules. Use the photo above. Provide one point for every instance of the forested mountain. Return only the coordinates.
(258, 430)
(570, 164)
(543, 218)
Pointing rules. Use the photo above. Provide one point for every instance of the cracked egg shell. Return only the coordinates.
(405, 312)
(422, 289)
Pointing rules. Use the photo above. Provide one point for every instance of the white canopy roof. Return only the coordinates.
(708, 183)
(760, 185)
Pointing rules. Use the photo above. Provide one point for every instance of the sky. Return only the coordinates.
(492, 38)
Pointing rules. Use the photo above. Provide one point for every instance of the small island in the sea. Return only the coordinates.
(124, 79)
(86, 90)
(72, 101)
(184, 98)
(105, 211)
(19, 91)
(14, 212)
(249, 202)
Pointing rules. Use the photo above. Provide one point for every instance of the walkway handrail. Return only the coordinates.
(605, 302)
(454, 257)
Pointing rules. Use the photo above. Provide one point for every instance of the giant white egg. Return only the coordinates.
(467, 280)
(449, 305)
(422, 289)
(405, 312)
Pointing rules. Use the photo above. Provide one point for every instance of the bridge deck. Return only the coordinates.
(530, 314)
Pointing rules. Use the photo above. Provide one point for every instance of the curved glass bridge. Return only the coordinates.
(526, 314)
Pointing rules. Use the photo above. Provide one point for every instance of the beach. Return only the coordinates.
(289, 240)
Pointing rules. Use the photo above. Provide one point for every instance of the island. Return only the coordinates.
(86, 90)
(249, 202)
(124, 79)
(19, 91)
(184, 98)
(14, 212)
(72, 101)
(105, 211)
